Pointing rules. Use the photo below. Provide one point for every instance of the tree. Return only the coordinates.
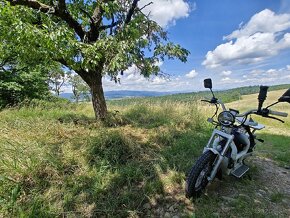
(93, 38)
(79, 88)
(17, 85)
(19, 81)
(57, 78)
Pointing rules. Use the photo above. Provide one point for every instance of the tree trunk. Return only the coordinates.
(94, 81)
(99, 103)
(98, 98)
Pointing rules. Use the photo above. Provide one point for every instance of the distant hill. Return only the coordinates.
(130, 94)
(124, 94)
(226, 95)
(134, 96)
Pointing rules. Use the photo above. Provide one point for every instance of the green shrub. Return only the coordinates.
(51, 102)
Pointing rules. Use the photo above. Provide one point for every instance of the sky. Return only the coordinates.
(234, 42)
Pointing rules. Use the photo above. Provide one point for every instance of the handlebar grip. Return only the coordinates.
(277, 113)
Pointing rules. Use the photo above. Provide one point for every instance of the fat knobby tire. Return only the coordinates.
(206, 159)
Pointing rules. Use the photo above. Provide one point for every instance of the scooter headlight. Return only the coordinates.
(226, 118)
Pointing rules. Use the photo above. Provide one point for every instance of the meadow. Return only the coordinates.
(57, 161)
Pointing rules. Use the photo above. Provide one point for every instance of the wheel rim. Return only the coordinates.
(202, 177)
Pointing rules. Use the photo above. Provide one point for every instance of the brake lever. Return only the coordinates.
(275, 118)
(212, 101)
(205, 100)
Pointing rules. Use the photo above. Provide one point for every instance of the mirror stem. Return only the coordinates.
(212, 93)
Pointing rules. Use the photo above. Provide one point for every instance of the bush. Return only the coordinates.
(50, 102)
(16, 87)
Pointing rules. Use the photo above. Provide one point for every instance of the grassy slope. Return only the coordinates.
(57, 161)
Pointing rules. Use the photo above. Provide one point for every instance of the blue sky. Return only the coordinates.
(235, 42)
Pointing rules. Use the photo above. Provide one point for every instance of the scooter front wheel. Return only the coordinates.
(197, 178)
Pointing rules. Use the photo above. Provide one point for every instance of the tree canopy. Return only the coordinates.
(93, 38)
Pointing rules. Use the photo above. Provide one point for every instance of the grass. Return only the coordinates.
(277, 197)
(56, 160)
(60, 162)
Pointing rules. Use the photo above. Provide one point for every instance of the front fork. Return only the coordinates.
(221, 154)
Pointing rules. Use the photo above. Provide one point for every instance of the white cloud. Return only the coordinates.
(131, 70)
(265, 21)
(256, 72)
(272, 72)
(226, 72)
(191, 74)
(132, 80)
(226, 79)
(260, 38)
(258, 77)
(158, 63)
(166, 12)
(159, 80)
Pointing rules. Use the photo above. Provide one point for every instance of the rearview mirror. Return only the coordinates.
(263, 93)
(207, 83)
(262, 96)
(285, 97)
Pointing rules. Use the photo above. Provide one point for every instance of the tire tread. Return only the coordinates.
(206, 157)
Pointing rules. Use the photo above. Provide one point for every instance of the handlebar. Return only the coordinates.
(265, 113)
(277, 113)
(262, 112)
(253, 111)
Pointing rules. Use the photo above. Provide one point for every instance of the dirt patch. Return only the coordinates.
(264, 190)
(275, 178)
(266, 187)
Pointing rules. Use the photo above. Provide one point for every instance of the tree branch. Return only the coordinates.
(87, 14)
(146, 6)
(131, 11)
(113, 21)
(34, 5)
(59, 11)
(63, 62)
(127, 19)
(95, 23)
(61, 5)
(113, 24)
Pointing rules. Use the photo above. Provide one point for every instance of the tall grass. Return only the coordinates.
(57, 161)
